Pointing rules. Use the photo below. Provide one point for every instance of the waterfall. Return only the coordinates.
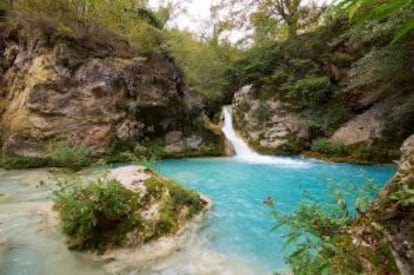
(245, 153)
(240, 147)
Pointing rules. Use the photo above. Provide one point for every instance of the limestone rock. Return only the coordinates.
(363, 128)
(395, 218)
(173, 137)
(269, 124)
(64, 88)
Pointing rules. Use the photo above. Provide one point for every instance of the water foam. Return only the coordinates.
(245, 154)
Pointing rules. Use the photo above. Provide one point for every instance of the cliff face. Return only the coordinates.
(353, 90)
(94, 92)
(391, 216)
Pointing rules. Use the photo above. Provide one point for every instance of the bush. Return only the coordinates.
(22, 162)
(310, 91)
(322, 145)
(322, 235)
(103, 213)
(63, 154)
(98, 213)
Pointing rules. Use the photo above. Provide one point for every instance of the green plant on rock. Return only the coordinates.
(324, 146)
(22, 162)
(66, 155)
(310, 91)
(263, 112)
(363, 12)
(405, 196)
(96, 214)
(321, 239)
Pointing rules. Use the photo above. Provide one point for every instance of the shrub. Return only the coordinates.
(324, 146)
(98, 213)
(63, 154)
(321, 235)
(312, 90)
(102, 213)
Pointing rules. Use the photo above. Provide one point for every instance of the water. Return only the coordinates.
(244, 153)
(235, 237)
(239, 224)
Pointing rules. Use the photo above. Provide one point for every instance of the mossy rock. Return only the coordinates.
(130, 207)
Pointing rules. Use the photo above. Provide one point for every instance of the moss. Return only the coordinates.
(291, 147)
(103, 213)
(179, 196)
(357, 153)
(10, 161)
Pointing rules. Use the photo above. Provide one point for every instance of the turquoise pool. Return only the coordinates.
(239, 224)
(235, 237)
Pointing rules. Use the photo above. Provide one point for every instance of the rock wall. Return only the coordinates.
(373, 134)
(90, 92)
(270, 126)
(391, 216)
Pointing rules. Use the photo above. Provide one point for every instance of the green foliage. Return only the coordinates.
(132, 19)
(203, 62)
(321, 237)
(103, 213)
(378, 65)
(96, 214)
(22, 162)
(309, 91)
(328, 119)
(405, 196)
(324, 146)
(263, 112)
(178, 195)
(365, 11)
(66, 155)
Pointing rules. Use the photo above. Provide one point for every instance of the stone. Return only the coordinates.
(194, 142)
(59, 90)
(173, 137)
(278, 128)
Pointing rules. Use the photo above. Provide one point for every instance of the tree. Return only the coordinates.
(263, 15)
(363, 11)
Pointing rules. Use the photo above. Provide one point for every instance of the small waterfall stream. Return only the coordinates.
(245, 153)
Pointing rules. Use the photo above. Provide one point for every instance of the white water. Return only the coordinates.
(245, 153)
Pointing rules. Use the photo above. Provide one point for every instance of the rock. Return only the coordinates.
(269, 125)
(61, 90)
(194, 142)
(4, 243)
(132, 177)
(139, 255)
(363, 128)
(394, 219)
(173, 137)
(228, 148)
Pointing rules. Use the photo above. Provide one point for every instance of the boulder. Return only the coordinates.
(268, 125)
(138, 256)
